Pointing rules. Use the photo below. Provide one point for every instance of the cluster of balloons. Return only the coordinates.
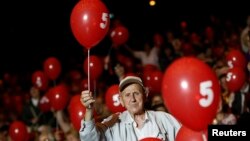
(191, 92)
(51, 71)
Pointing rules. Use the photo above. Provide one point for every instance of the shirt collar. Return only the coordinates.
(129, 120)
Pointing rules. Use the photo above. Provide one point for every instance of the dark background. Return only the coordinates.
(32, 30)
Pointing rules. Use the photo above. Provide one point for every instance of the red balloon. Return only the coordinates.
(76, 111)
(186, 134)
(95, 66)
(153, 81)
(235, 58)
(112, 99)
(89, 22)
(44, 103)
(58, 97)
(150, 139)
(40, 80)
(18, 131)
(191, 91)
(236, 77)
(119, 35)
(52, 68)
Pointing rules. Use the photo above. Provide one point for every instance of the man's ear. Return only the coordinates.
(121, 100)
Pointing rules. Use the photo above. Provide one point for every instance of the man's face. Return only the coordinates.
(133, 98)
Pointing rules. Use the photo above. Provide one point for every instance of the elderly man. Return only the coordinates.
(136, 123)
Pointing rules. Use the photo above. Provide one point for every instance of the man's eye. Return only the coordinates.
(127, 95)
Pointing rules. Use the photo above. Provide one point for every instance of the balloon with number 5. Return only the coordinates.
(191, 92)
(112, 99)
(236, 58)
(89, 22)
(236, 78)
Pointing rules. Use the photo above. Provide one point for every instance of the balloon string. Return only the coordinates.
(88, 70)
(89, 73)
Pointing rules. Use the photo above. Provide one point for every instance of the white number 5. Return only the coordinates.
(105, 17)
(116, 100)
(205, 90)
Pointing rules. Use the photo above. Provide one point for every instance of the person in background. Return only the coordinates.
(157, 103)
(32, 116)
(134, 124)
(245, 37)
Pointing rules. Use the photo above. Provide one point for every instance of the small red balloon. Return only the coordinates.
(18, 131)
(95, 65)
(76, 111)
(119, 35)
(40, 80)
(89, 22)
(112, 99)
(236, 77)
(58, 97)
(236, 58)
(153, 81)
(52, 68)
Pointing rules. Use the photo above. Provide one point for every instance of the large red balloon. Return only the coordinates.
(112, 99)
(89, 22)
(58, 97)
(52, 68)
(119, 35)
(95, 65)
(40, 80)
(191, 91)
(235, 58)
(186, 134)
(18, 131)
(236, 77)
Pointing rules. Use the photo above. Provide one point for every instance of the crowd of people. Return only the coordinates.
(121, 65)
